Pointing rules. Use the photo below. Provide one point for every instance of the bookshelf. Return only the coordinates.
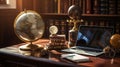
(87, 6)
(84, 16)
(94, 12)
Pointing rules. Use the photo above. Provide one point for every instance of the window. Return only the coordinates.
(7, 4)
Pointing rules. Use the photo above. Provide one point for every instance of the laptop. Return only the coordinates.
(91, 40)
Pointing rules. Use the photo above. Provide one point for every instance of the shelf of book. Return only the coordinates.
(94, 12)
(84, 16)
(87, 6)
(60, 20)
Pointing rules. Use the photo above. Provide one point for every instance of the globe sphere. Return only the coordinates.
(115, 41)
(29, 26)
(74, 12)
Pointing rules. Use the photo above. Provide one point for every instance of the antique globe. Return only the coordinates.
(29, 27)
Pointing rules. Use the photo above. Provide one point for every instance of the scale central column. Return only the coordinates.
(74, 12)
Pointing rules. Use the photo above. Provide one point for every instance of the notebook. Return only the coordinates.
(75, 58)
(91, 40)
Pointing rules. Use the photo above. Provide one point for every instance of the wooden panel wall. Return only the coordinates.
(6, 26)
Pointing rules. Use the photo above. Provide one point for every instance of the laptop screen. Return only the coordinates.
(94, 36)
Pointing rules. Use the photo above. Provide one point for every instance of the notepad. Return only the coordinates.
(75, 57)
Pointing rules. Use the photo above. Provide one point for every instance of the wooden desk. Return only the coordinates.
(11, 53)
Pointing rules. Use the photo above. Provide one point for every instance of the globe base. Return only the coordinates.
(30, 49)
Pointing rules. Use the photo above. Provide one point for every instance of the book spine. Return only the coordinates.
(96, 6)
(92, 23)
(66, 5)
(112, 7)
(73, 2)
(81, 4)
(46, 8)
(77, 2)
(102, 23)
(104, 7)
(57, 23)
(88, 6)
(70, 3)
(118, 7)
(59, 6)
(96, 23)
(55, 6)
(63, 27)
(86, 23)
(84, 6)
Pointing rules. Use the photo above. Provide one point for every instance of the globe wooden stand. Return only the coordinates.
(29, 27)
(29, 49)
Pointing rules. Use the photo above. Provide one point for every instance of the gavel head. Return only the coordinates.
(74, 12)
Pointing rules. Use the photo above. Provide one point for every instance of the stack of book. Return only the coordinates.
(57, 42)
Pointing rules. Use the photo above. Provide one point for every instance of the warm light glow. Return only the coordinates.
(10, 4)
(7, 1)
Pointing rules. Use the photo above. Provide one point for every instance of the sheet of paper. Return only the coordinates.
(75, 57)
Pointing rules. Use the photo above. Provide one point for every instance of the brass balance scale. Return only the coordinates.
(74, 12)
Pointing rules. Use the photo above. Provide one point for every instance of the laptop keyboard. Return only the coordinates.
(86, 48)
(86, 52)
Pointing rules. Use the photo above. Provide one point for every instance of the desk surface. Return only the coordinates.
(99, 61)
